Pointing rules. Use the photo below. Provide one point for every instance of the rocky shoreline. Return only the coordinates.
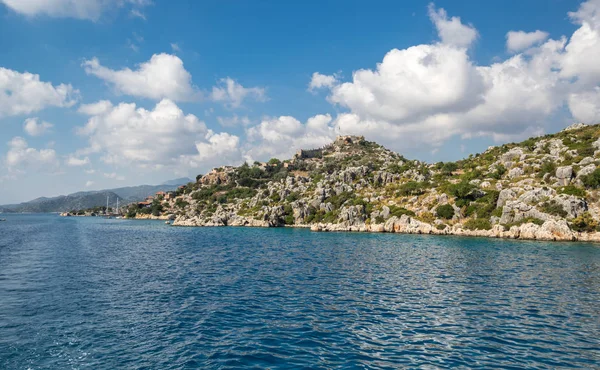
(551, 230)
(140, 216)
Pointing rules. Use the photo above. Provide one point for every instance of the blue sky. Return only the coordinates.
(185, 86)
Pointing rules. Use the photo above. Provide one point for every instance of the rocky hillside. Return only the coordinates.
(542, 188)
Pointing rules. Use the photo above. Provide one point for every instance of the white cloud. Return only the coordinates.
(588, 12)
(233, 121)
(114, 176)
(175, 47)
(20, 157)
(233, 94)
(87, 9)
(583, 50)
(319, 81)
(136, 13)
(77, 162)
(163, 76)
(34, 127)
(24, 93)
(281, 137)
(217, 147)
(164, 136)
(425, 94)
(452, 31)
(89, 183)
(585, 106)
(410, 83)
(90, 171)
(519, 40)
(94, 109)
(512, 96)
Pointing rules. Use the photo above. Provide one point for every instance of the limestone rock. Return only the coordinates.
(574, 206)
(510, 156)
(505, 194)
(515, 172)
(574, 126)
(584, 171)
(564, 175)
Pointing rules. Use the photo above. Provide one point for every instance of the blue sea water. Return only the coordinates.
(91, 293)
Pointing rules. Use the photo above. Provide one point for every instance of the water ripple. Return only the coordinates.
(91, 293)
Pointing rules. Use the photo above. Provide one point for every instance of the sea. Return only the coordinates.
(94, 293)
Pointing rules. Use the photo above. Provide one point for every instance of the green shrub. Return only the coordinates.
(471, 175)
(547, 167)
(572, 190)
(500, 170)
(312, 213)
(330, 217)
(294, 196)
(584, 223)
(412, 188)
(180, 203)
(399, 211)
(554, 208)
(463, 190)
(478, 224)
(361, 202)
(529, 144)
(586, 151)
(448, 168)
(592, 180)
(472, 209)
(427, 217)
(440, 226)
(240, 193)
(131, 212)
(338, 200)
(288, 219)
(445, 211)
(397, 169)
(532, 220)
(316, 177)
(205, 192)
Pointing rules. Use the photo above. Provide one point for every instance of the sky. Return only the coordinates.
(99, 94)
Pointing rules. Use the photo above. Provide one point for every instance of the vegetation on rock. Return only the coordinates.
(354, 184)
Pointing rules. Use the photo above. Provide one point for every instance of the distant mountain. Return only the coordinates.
(63, 203)
(179, 181)
(90, 199)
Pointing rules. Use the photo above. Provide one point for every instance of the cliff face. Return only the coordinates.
(543, 188)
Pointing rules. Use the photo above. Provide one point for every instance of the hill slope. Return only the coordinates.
(542, 188)
(89, 199)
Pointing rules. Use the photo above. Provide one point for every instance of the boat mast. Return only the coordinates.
(106, 211)
(117, 205)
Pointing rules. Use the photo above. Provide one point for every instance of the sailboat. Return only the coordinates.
(118, 210)
(106, 210)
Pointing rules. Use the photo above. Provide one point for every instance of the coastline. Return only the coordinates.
(549, 231)
(552, 230)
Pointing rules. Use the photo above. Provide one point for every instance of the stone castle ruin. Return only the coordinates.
(340, 141)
